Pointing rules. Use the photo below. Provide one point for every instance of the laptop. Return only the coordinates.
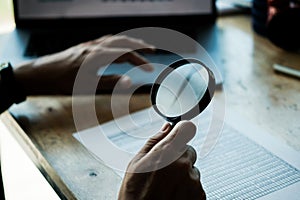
(45, 27)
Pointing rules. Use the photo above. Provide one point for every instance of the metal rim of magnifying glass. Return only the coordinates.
(203, 102)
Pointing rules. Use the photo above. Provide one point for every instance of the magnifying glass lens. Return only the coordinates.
(183, 89)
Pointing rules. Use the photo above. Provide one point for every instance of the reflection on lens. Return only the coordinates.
(182, 89)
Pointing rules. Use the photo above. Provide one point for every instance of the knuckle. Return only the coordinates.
(192, 151)
(188, 151)
(128, 51)
(190, 154)
(152, 140)
(183, 164)
(85, 50)
(121, 38)
(195, 174)
(139, 41)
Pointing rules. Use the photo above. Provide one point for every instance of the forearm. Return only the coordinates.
(25, 74)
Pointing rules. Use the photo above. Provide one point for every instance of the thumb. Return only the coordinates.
(167, 147)
(178, 138)
(164, 131)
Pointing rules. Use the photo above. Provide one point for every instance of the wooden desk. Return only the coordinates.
(44, 125)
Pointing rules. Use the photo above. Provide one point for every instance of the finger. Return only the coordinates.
(133, 58)
(97, 41)
(177, 139)
(99, 56)
(123, 41)
(156, 138)
(103, 38)
(111, 81)
(169, 148)
(195, 189)
(191, 154)
(196, 173)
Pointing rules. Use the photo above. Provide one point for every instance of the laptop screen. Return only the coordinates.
(113, 14)
(57, 9)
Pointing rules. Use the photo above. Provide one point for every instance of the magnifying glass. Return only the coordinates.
(183, 90)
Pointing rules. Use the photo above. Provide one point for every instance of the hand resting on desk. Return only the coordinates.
(56, 73)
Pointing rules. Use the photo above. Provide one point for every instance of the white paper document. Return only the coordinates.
(245, 163)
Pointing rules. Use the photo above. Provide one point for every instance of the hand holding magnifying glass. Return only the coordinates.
(182, 91)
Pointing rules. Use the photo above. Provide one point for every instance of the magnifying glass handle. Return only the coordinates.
(173, 124)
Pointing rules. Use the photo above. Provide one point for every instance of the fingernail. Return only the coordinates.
(165, 127)
(186, 131)
(152, 47)
(125, 82)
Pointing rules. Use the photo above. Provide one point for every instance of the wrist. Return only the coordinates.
(11, 91)
(24, 76)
